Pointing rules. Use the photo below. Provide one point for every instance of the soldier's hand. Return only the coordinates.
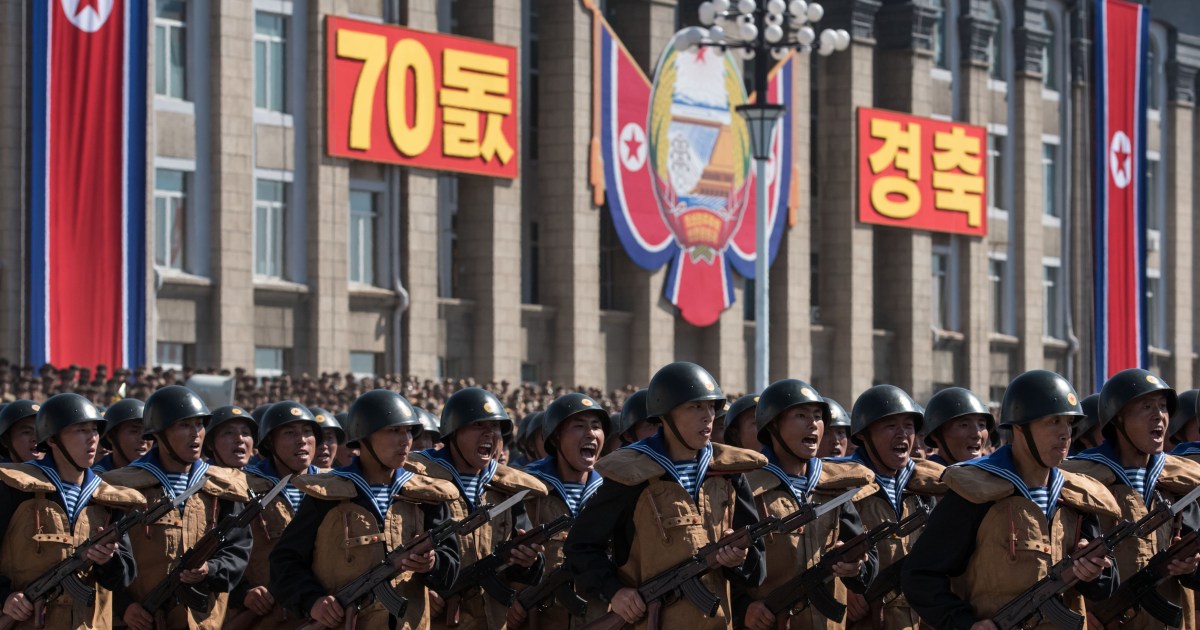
(729, 556)
(1184, 566)
(1088, 569)
(259, 600)
(137, 618)
(986, 624)
(419, 563)
(850, 568)
(856, 606)
(517, 615)
(327, 612)
(17, 607)
(526, 555)
(628, 603)
(101, 554)
(759, 618)
(194, 576)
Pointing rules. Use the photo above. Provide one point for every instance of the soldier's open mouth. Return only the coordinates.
(809, 440)
(588, 451)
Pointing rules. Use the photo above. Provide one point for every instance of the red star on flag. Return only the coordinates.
(84, 4)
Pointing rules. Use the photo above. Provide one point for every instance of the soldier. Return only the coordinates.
(836, 440)
(742, 431)
(531, 436)
(18, 438)
(635, 424)
(473, 423)
(1087, 431)
(1184, 427)
(575, 426)
(229, 437)
(958, 424)
(1008, 516)
(175, 416)
(790, 417)
(1134, 408)
(664, 498)
(884, 423)
(329, 437)
(49, 507)
(345, 453)
(122, 435)
(431, 429)
(352, 516)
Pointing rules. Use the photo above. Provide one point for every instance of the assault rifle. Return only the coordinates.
(684, 578)
(887, 582)
(552, 588)
(484, 572)
(376, 583)
(65, 576)
(808, 588)
(172, 590)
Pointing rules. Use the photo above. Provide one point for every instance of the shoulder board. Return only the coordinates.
(977, 485)
(128, 477)
(326, 486)
(260, 484)
(1088, 495)
(25, 478)
(837, 477)
(1180, 475)
(226, 483)
(1095, 470)
(511, 481)
(762, 481)
(426, 489)
(628, 467)
(927, 478)
(731, 459)
(118, 496)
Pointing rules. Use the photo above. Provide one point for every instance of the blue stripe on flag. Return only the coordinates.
(40, 110)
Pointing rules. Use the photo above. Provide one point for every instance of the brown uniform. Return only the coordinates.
(37, 535)
(266, 530)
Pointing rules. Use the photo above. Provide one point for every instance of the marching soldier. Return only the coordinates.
(1010, 515)
(229, 437)
(1134, 408)
(635, 424)
(958, 424)
(352, 516)
(836, 441)
(791, 422)
(473, 424)
(575, 427)
(122, 435)
(329, 437)
(1184, 427)
(345, 454)
(885, 422)
(175, 416)
(1087, 431)
(742, 431)
(18, 438)
(664, 498)
(431, 429)
(49, 507)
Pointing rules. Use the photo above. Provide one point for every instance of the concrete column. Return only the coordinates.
(570, 225)
(232, 109)
(1179, 237)
(13, 139)
(1083, 374)
(846, 83)
(490, 224)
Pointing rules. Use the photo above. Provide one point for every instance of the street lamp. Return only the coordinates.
(763, 31)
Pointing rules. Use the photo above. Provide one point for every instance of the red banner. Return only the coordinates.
(921, 173)
(420, 99)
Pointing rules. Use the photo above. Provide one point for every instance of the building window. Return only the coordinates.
(170, 203)
(997, 198)
(270, 207)
(270, 47)
(1051, 300)
(940, 54)
(997, 271)
(447, 236)
(531, 264)
(940, 268)
(169, 355)
(749, 302)
(1152, 75)
(1050, 55)
(529, 372)
(996, 46)
(1154, 208)
(170, 49)
(1050, 203)
(609, 250)
(362, 236)
(533, 78)
(1155, 309)
(364, 364)
(268, 362)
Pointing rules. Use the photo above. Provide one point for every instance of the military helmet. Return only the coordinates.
(1037, 394)
(678, 383)
(259, 412)
(16, 411)
(880, 402)
(564, 407)
(781, 396)
(1125, 386)
(341, 417)
(326, 420)
(282, 413)
(229, 413)
(1184, 411)
(171, 404)
(379, 409)
(950, 404)
(749, 402)
(430, 423)
(837, 414)
(530, 427)
(470, 405)
(633, 412)
(61, 411)
(1091, 416)
(119, 413)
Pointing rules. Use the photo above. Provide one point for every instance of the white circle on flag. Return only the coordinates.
(1120, 159)
(632, 147)
(87, 15)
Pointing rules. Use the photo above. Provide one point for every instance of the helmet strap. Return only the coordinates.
(945, 451)
(166, 444)
(774, 431)
(279, 465)
(1033, 449)
(670, 424)
(116, 448)
(871, 452)
(67, 456)
(365, 443)
(1121, 429)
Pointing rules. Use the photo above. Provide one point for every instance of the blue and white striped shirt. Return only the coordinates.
(179, 482)
(572, 494)
(381, 494)
(688, 471)
(1137, 479)
(471, 487)
(70, 496)
(1041, 497)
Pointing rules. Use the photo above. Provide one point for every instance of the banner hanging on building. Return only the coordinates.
(671, 157)
(1122, 31)
(420, 99)
(921, 173)
(87, 297)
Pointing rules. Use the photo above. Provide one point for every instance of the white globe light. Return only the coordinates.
(706, 13)
(745, 6)
(843, 39)
(720, 6)
(829, 38)
(776, 7)
(716, 33)
(815, 12)
(779, 54)
(747, 31)
(745, 53)
(773, 33)
(805, 36)
(798, 7)
(774, 19)
(823, 51)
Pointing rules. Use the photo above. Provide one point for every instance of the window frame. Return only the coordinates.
(272, 42)
(377, 191)
(163, 54)
(181, 206)
(281, 207)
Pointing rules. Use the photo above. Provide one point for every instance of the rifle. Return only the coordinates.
(808, 588)
(554, 587)
(376, 582)
(484, 572)
(887, 581)
(65, 576)
(172, 591)
(684, 578)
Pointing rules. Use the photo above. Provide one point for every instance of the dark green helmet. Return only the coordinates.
(471, 405)
(259, 412)
(1091, 416)
(566, 406)
(119, 413)
(633, 412)
(952, 403)
(1185, 411)
(837, 414)
(1037, 394)
(326, 420)
(749, 402)
(1127, 385)
(341, 419)
(880, 402)
(531, 428)
(281, 413)
(430, 423)
(379, 409)
(229, 413)
(171, 404)
(61, 411)
(678, 383)
(781, 396)
(15, 412)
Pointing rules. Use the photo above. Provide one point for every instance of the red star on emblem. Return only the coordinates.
(83, 4)
(632, 144)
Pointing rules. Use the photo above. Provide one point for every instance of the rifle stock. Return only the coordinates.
(1139, 591)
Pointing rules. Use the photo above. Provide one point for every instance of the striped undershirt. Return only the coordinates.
(1137, 479)
(1041, 496)
(70, 496)
(381, 494)
(179, 482)
(471, 487)
(687, 471)
(573, 494)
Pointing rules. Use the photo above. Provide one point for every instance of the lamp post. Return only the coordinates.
(764, 31)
